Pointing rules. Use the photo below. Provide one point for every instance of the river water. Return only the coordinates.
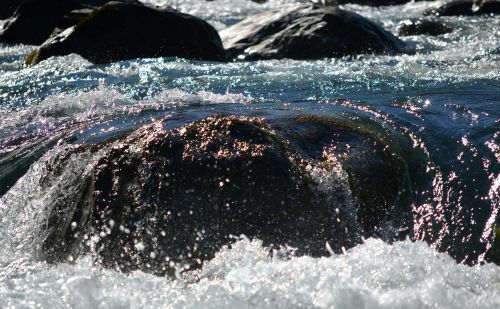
(443, 100)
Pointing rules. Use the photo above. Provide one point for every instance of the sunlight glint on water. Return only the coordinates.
(444, 99)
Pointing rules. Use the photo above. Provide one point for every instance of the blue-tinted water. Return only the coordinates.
(443, 102)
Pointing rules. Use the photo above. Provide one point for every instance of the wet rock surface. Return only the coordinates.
(112, 32)
(423, 27)
(377, 171)
(307, 32)
(160, 199)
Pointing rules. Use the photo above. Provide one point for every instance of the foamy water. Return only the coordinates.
(443, 100)
(372, 275)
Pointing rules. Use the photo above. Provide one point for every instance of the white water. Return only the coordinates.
(106, 101)
(372, 275)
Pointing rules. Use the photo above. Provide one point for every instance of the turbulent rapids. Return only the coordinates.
(366, 179)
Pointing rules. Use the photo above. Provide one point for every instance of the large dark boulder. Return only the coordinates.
(307, 32)
(119, 31)
(34, 21)
(160, 197)
(423, 27)
(163, 197)
(466, 8)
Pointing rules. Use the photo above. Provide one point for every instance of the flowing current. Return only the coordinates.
(442, 101)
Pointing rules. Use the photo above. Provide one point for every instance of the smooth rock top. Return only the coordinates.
(308, 31)
(120, 31)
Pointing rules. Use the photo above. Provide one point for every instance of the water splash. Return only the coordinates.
(372, 275)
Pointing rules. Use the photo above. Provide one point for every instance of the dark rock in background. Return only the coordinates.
(98, 3)
(308, 32)
(34, 21)
(423, 27)
(466, 8)
(119, 31)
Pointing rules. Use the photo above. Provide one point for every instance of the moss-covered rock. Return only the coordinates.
(30, 57)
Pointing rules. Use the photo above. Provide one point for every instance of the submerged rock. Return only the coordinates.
(307, 32)
(119, 31)
(466, 8)
(160, 199)
(423, 27)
